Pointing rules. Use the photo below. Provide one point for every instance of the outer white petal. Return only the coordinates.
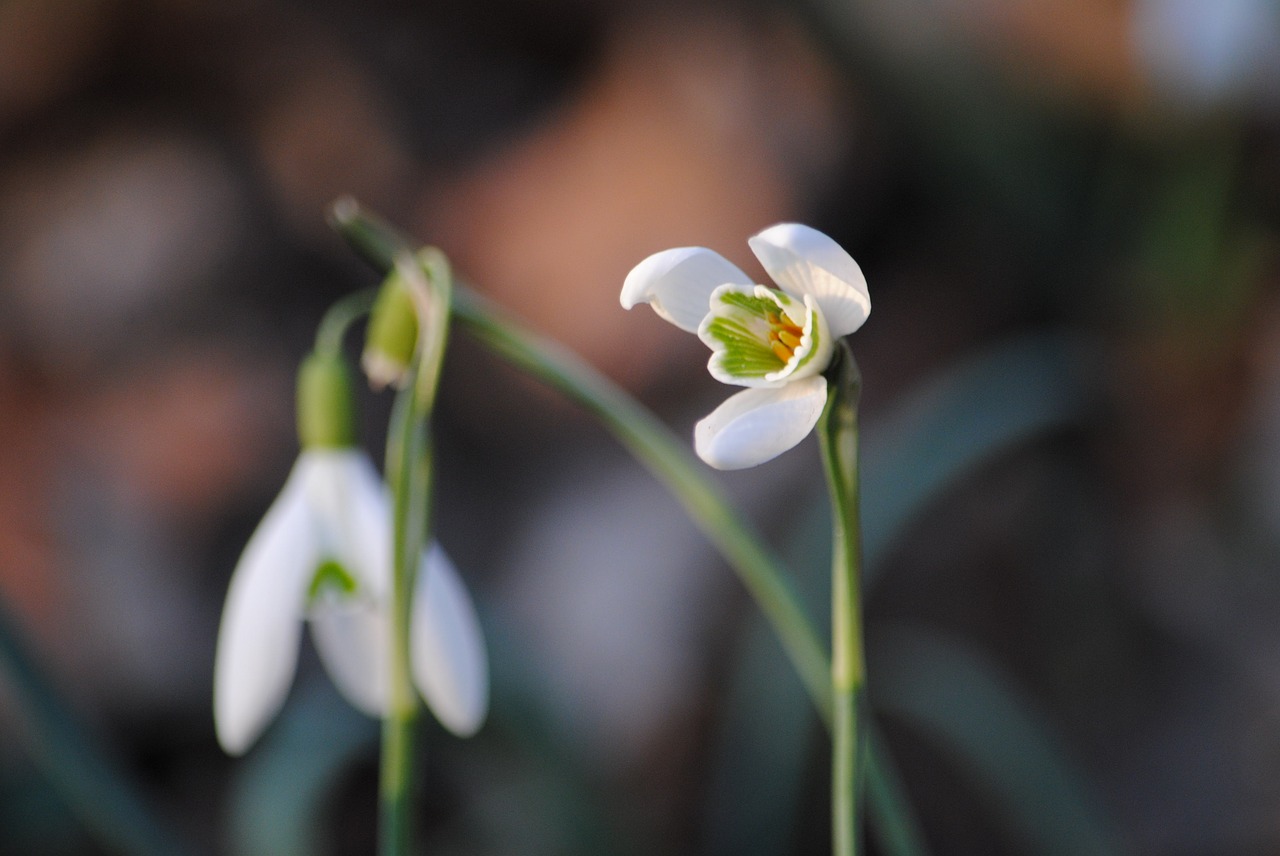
(261, 626)
(757, 425)
(448, 656)
(678, 284)
(803, 261)
(352, 636)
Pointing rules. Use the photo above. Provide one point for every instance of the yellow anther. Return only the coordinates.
(788, 338)
(784, 335)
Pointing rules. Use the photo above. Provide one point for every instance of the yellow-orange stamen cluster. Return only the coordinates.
(784, 336)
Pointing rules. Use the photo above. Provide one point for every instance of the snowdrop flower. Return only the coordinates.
(774, 341)
(323, 554)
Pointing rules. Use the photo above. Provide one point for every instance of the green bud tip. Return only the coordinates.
(392, 335)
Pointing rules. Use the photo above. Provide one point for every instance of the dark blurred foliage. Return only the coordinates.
(1067, 213)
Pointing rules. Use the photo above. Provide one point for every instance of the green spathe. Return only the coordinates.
(392, 334)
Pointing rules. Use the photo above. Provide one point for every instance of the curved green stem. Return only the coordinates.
(670, 460)
(339, 318)
(838, 432)
(409, 473)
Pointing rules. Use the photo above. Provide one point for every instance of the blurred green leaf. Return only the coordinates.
(573, 815)
(1199, 264)
(761, 752)
(281, 786)
(945, 430)
(92, 784)
(968, 415)
(971, 711)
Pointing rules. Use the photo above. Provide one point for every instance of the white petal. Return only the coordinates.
(353, 512)
(352, 636)
(678, 284)
(261, 626)
(804, 261)
(354, 516)
(448, 656)
(757, 425)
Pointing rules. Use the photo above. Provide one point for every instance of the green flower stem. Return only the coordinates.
(838, 433)
(405, 442)
(409, 473)
(671, 461)
(339, 318)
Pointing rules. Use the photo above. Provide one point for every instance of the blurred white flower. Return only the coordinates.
(776, 341)
(323, 553)
(1210, 51)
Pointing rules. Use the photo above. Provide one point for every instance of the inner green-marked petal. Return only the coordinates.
(755, 304)
(761, 334)
(331, 576)
(815, 348)
(746, 353)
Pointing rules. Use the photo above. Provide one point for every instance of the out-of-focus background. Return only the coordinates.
(1068, 215)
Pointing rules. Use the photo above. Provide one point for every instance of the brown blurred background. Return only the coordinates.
(1106, 170)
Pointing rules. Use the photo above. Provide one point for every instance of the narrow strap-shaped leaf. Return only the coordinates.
(942, 432)
(279, 794)
(960, 700)
(95, 789)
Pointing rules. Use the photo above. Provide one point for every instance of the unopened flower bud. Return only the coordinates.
(392, 335)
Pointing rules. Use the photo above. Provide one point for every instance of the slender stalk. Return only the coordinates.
(339, 318)
(670, 460)
(838, 432)
(409, 472)
(405, 442)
